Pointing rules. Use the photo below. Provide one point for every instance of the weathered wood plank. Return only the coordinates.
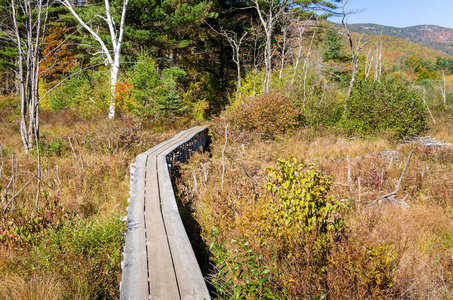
(163, 284)
(188, 273)
(134, 283)
(166, 258)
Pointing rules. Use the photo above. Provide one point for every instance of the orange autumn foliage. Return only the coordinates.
(58, 57)
(123, 94)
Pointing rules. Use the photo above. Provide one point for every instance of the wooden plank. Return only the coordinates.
(173, 270)
(134, 283)
(163, 284)
(190, 279)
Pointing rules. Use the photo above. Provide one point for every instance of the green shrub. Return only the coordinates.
(385, 105)
(87, 94)
(53, 147)
(154, 94)
(302, 202)
(323, 106)
(9, 108)
(291, 226)
(241, 273)
(267, 115)
(86, 253)
(252, 84)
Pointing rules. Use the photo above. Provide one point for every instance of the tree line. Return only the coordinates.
(201, 45)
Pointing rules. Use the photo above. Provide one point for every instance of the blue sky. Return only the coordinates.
(401, 13)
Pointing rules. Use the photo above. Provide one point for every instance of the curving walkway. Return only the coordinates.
(159, 262)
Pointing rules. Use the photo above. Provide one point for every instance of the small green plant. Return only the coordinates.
(241, 273)
(302, 202)
(50, 147)
(89, 250)
(56, 146)
(21, 229)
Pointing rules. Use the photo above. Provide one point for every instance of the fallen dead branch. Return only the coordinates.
(391, 197)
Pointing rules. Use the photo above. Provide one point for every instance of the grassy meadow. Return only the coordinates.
(71, 247)
(263, 217)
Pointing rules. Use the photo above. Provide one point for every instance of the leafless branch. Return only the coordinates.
(1, 156)
(15, 195)
(223, 154)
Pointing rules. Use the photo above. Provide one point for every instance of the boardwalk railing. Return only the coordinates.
(158, 259)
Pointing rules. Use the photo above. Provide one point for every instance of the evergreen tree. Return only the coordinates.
(333, 46)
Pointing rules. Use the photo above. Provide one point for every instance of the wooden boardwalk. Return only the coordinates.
(158, 260)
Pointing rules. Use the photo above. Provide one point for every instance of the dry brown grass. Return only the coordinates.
(413, 247)
(443, 127)
(46, 286)
(90, 181)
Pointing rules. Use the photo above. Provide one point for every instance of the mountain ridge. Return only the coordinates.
(431, 36)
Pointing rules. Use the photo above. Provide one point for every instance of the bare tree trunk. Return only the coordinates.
(354, 56)
(114, 71)
(443, 88)
(299, 51)
(380, 55)
(28, 65)
(29, 39)
(235, 44)
(268, 62)
(268, 20)
(21, 82)
(116, 39)
(283, 54)
(38, 152)
(255, 64)
(376, 68)
(368, 64)
(306, 61)
(351, 82)
(223, 154)
(424, 101)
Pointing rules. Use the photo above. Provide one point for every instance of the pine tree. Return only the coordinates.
(333, 46)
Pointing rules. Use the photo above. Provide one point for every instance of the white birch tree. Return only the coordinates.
(355, 52)
(269, 13)
(111, 56)
(25, 30)
(235, 42)
(443, 88)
